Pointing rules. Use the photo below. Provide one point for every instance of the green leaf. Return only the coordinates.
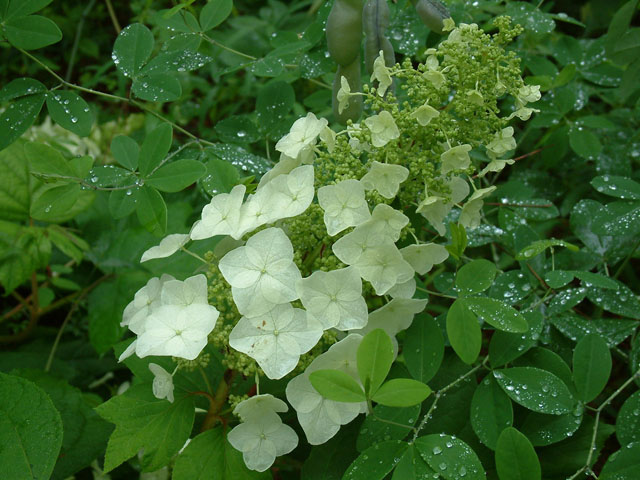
(628, 420)
(55, 201)
(491, 412)
(18, 117)
(387, 423)
(450, 457)
(337, 385)
(591, 367)
(221, 176)
(240, 158)
(273, 104)
(30, 430)
(70, 111)
(210, 456)
(47, 161)
(67, 242)
(32, 32)
(544, 430)
(497, 313)
(506, 347)
(584, 142)
(122, 203)
(238, 129)
(155, 147)
(151, 210)
(476, 276)
(375, 356)
(331, 459)
(459, 240)
(530, 17)
(511, 286)
(214, 13)
(566, 300)
(615, 186)
(85, 433)
(401, 392)
(619, 25)
(412, 467)
(423, 348)
(22, 8)
(157, 87)
(176, 176)
(21, 87)
(535, 389)
(126, 151)
(463, 331)
(132, 49)
(618, 218)
(545, 359)
(558, 278)
(595, 280)
(515, 457)
(540, 246)
(144, 422)
(623, 464)
(622, 301)
(376, 461)
(175, 61)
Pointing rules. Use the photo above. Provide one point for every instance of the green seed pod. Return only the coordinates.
(344, 31)
(375, 20)
(352, 74)
(432, 13)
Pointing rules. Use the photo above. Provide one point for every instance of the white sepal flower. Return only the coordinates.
(456, 158)
(382, 74)
(350, 248)
(292, 194)
(435, 207)
(177, 331)
(424, 114)
(385, 222)
(470, 214)
(385, 178)
(528, 94)
(424, 256)
(383, 128)
(344, 92)
(145, 301)
(262, 439)
(192, 291)
(162, 382)
(344, 205)
(436, 77)
(221, 216)
(276, 339)
(257, 405)
(335, 298)
(495, 166)
(383, 267)
(320, 417)
(263, 267)
(284, 166)
(302, 135)
(403, 290)
(168, 246)
(502, 142)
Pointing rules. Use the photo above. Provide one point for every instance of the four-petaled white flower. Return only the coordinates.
(343, 94)
(344, 205)
(385, 178)
(386, 223)
(261, 273)
(436, 77)
(470, 214)
(495, 166)
(382, 74)
(302, 135)
(383, 128)
(335, 298)
(168, 246)
(221, 216)
(192, 291)
(162, 382)
(424, 256)
(383, 267)
(424, 114)
(502, 142)
(256, 406)
(263, 436)
(145, 301)
(177, 331)
(528, 94)
(276, 339)
(456, 158)
(436, 206)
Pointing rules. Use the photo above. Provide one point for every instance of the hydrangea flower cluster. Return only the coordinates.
(325, 243)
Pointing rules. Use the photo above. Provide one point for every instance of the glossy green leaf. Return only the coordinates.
(273, 104)
(535, 389)
(618, 218)
(375, 356)
(566, 299)
(622, 301)
(221, 176)
(540, 246)
(530, 17)
(210, 456)
(515, 457)
(132, 49)
(32, 32)
(47, 161)
(542, 430)
(476, 276)
(623, 464)
(126, 151)
(155, 148)
(412, 466)
(491, 411)
(506, 347)
(628, 420)
(558, 278)
(497, 314)
(30, 430)
(423, 348)
(450, 457)
(616, 186)
(151, 210)
(591, 367)
(463, 332)
(401, 392)
(18, 117)
(547, 360)
(337, 385)
(70, 111)
(21, 87)
(387, 423)
(176, 176)
(55, 201)
(214, 13)
(122, 203)
(612, 330)
(144, 422)
(240, 158)
(175, 61)
(22, 8)
(157, 87)
(511, 287)
(376, 461)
